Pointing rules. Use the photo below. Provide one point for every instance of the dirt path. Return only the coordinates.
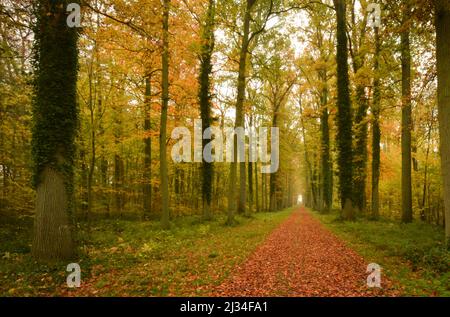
(302, 258)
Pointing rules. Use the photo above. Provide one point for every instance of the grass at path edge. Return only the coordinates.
(131, 258)
(413, 255)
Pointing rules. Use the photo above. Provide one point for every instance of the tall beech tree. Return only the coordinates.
(204, 95)
(376, 132)
(147, 174)
(326, 164)
(405, 48)
(258, 23)
(319, 17)
(344, 115)
(163, 174)
(316, 69)
(239, 121)
(358, 54)
(278, 87)
(55, 116)
(442, 23)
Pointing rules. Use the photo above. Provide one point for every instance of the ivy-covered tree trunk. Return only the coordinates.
(344, 114)
(358, 54)
(164, 177)
(205, 102)
(376, 132)
(443, 73)
(55, 116)
(406, 118)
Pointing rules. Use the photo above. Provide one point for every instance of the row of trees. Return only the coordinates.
(107, 96)
(136, 82)
(384, 72)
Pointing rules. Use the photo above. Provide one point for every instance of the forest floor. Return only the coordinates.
(303, 258)
(413, 255)
(289, 253)
(136, 258)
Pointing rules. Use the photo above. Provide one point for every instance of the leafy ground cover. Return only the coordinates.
(130, 258)
(302, 258)
(412, 254)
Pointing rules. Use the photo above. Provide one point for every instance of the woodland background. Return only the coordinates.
(356, 107)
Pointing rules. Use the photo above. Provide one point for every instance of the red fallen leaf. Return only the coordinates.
(302, 258)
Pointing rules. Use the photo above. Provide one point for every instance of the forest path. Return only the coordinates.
(302, 258)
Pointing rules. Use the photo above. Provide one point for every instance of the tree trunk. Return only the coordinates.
(376, 132)
(118, 162)
(165, 217)
(118, 183)
(327, 189)
(425, 175)
(205, 103)
(84, 177)
(52, 234)
(263, 191)
(273, 192)
(315, 181)
(443, 74)
(406, 120)
(93, 143)
(240, 121)
(344, 115)
(360, 151)
(250, 177)
(147, 187)
(53, 140)
(309, 177)
(256, 188)
(360, 124)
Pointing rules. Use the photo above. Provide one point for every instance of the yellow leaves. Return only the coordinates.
(363, 76)
(309, 113)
